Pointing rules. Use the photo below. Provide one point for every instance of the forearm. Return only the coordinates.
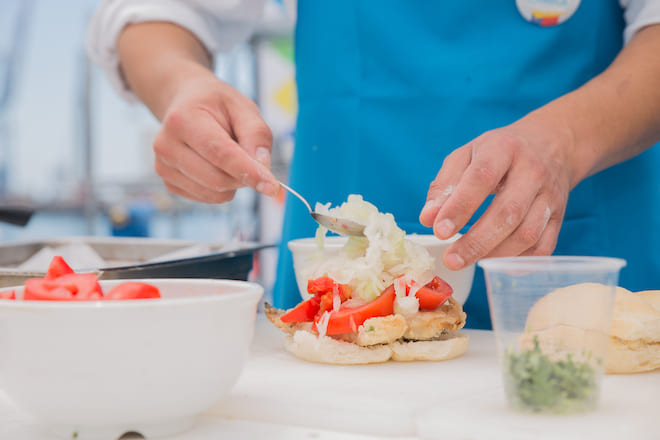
(156, 58)
(616, 115)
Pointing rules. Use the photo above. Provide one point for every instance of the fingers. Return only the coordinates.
(184, 186)
(523, 218)
(489, 162)
(202, 149)
(252, 133)
(548, 241)
(444, 184)
(535, 235)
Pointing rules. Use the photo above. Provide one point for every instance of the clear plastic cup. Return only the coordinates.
(552, 318)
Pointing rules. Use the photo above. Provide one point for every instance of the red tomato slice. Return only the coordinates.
(348, 319)
(8, 294)
(57, 268)
(133, 290)
(320, 285)
(434, 294)
(39, 289)
(83, 286)
(305, 311)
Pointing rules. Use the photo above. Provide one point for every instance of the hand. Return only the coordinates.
(212, 142)
(527, 166)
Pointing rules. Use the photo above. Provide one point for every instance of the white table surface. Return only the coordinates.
(281, 397)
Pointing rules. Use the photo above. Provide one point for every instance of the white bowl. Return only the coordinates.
(101, 369)
(460, 280)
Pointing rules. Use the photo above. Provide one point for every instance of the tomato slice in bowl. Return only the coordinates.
(133, 290)
(83, 286)
(40, 289)
(58, 267)
(8, 294)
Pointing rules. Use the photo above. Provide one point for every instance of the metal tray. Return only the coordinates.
(130, 258)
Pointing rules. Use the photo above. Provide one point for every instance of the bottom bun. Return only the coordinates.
(327, 350)
(632, 356)
(449, 347)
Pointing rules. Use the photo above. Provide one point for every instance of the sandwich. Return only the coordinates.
(379, 299)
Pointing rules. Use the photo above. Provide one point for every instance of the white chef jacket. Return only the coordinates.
(221, 24)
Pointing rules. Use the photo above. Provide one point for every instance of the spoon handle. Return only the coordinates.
(302, 199)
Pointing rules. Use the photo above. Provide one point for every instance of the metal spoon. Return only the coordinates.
(341, 226)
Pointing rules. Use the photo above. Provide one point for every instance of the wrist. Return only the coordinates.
(157, 59)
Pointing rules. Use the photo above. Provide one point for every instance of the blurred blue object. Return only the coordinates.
(131, 220)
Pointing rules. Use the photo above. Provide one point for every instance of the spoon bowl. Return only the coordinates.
(338, 225)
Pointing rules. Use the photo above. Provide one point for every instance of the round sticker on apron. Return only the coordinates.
(547, 12)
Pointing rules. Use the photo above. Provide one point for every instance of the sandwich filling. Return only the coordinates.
(379, 289)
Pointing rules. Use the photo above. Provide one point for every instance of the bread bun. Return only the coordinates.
(582, 305)
(634, 345)
(571, 317)
(637, 315)
(449, 347)
(327, 350)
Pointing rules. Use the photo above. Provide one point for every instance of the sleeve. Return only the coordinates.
(638, 14)
(218, 24)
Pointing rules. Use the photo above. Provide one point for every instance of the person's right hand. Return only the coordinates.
(212, 142)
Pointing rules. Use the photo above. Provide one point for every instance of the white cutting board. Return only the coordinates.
(455, 399)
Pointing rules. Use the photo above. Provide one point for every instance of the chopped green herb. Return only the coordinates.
(75, 434)
(534, 382)
(371, 328)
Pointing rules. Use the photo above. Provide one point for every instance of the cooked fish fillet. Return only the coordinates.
(427, 325)
(381, 330)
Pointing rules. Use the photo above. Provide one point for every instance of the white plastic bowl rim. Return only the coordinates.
(246, 288)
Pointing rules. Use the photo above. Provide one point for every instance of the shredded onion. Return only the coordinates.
(371, 263)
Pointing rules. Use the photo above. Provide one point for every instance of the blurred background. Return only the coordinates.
(82, 158)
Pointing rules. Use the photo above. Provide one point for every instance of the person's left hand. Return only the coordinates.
(527, 165)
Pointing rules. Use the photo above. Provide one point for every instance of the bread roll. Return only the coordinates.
(634, 345)
(449, 347)
(326, 350)
(571, 317)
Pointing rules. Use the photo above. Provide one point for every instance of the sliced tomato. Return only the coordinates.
(328, 299)
(348, 319)
(133, 290)
(327, 302)
(83, 286)
(433, 294)
(57, 268)
(320, 285)
(40, 289)
(303, 312)
(8, 294)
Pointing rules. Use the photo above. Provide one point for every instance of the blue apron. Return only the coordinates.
(388, 88)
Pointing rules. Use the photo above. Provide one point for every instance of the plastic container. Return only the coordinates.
(552, 319)
(302, 250)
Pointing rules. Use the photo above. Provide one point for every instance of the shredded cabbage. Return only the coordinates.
(371, 263)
